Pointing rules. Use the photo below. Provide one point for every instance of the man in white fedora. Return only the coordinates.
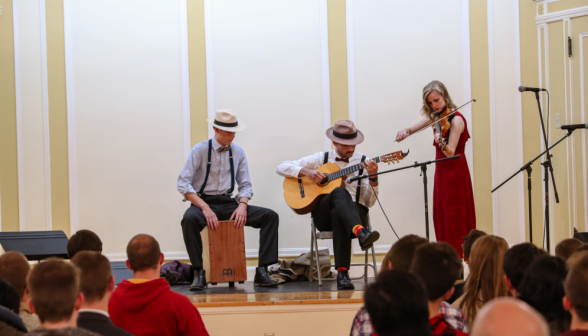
(207, 181)
(345, 210)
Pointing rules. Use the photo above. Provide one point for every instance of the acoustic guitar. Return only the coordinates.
(303, 195)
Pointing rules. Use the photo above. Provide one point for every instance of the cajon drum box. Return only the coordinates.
(227, 253)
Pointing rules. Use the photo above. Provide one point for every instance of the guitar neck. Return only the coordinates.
(348, 170)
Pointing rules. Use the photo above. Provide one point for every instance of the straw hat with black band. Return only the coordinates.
(345, 133)
(227, 121)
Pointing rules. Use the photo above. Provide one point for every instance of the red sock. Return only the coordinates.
(342, 269)
(356, 229)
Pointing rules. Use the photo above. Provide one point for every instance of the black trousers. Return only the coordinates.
(223, 206)
(337, 212)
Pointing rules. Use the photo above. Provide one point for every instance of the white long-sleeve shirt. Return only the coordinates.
(292, 169)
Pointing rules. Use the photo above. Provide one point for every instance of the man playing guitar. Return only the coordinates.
(345, 210)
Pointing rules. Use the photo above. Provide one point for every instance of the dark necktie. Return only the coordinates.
(343, 160)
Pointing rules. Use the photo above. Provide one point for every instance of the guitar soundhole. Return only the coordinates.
(324, 182)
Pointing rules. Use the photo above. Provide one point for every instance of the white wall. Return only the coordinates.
(267, 68)
(400, 46)
(506, 119)
(32, 109)
(125, 118)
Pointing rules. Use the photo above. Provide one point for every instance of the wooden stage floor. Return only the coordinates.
(291, 293)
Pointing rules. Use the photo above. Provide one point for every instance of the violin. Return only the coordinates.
(441, 125)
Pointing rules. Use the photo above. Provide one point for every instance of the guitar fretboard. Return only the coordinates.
(348, 170)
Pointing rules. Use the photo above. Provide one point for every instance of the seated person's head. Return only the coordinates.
(54, 288)
(397, 304)
(14, 268)
(83, 240)
(516, 261)
(143, 253)
(96, 280)
(566, 247)
(576, 287)
(509, 317)
(486, 279)
(400, 255)
(542, 286)
(9, 297)
(468, 242)
(438, 266)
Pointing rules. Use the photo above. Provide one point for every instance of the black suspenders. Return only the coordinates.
(208, 164)
(326, 159)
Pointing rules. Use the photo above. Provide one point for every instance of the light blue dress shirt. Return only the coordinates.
(219, 180)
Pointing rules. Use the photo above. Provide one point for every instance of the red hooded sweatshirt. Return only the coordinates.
(152, 308)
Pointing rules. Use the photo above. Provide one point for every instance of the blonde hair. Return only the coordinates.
(435, 85)
(486, 279)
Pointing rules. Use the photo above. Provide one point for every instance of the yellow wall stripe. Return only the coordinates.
(57, 115)
(338, 60)
(8, 157)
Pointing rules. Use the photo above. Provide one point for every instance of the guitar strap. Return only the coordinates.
(326, 159)
(209, 163)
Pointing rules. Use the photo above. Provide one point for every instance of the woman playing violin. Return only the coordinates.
(453, 197)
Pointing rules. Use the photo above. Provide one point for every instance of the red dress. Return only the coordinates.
(454, 214)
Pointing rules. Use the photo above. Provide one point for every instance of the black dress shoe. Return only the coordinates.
(262, 279)
(199, 282)
(343, 281)
(367, 238)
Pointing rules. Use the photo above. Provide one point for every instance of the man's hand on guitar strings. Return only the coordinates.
(314, 175)
(371, 166)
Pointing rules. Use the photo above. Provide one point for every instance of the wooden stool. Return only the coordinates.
(227, 254)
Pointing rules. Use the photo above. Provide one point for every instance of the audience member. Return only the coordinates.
(83, 240)
(576, 299)
(438, 266)
(97, 284)
(10, 323)
(566, 247)
(509, 317)
(14, 268)
(542, 288)
(9, 297)
(54, 287)
(516, 261)
(486, 279)
(146, 304)
(397, 304)
(468, 241)
(398, 258)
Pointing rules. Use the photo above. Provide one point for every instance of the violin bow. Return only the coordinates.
(437, 120)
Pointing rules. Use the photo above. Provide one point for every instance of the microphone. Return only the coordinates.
(526, 88)
(574, 127)
(353, 179)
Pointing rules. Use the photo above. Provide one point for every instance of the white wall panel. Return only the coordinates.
(267, 68)
(400, 46)
(35, 206)
(124, 63)
(507, 131)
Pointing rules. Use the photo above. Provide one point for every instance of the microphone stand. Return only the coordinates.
(423, 166)
(527, 167)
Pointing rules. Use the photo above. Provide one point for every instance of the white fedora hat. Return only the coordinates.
(226, 120)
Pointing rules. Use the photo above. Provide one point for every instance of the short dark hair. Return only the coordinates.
(402, 252)
(14, 268)
(582, 248)
(95, 274)
(8, 296)
(438, 266)
(143, 252)
(397, 302)
(567, 247)
(54, 286)
(575, 284)
(542, 286)
(83, 240)
(517, 259)
(469, 240)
